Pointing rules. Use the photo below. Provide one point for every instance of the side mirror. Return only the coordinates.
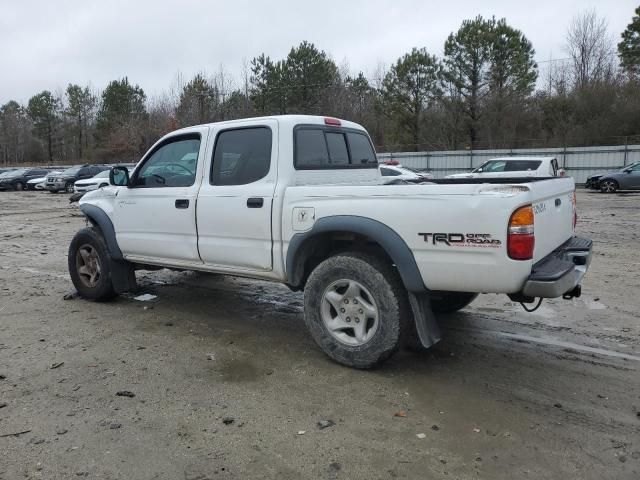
(119, 176)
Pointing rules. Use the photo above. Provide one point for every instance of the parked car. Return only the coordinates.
(627, 178)
(513, 167)
(39, 183)
(392, 172)
(299, 200)
(593, 181)
(17, 179)
(65, 180)
(5, 170)
(98, 181)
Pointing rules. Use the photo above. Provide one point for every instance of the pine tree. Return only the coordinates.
(629, 47)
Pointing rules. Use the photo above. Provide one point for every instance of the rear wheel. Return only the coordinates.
(19, 186)
(356, 309)
(69, 187)
(89, 265)
(608, 186)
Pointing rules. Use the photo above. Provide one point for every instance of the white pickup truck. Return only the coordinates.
(300, 200)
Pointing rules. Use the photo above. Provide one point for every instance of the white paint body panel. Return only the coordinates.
(219, 233)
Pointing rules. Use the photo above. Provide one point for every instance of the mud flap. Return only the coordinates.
(426, 323)
(123, 276)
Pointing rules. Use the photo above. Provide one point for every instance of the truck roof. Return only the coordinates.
(522, 158)
(283, 120)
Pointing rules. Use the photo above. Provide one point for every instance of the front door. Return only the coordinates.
(632, 179)
(155, 217)
(235, 200)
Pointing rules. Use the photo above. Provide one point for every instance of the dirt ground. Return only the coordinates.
(227, 383)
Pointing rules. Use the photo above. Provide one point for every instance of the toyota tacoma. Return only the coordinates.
(300, 200)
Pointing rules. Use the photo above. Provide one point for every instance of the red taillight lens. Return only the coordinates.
(520, 235)
(520, 247)
(332, 121)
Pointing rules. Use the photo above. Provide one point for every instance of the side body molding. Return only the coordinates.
(388, 239)
(96, 215)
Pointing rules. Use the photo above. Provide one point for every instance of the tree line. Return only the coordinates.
(486, 91)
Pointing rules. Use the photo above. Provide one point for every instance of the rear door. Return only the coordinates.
(235, 200)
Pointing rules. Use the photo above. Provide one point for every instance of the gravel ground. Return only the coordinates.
(226, 383)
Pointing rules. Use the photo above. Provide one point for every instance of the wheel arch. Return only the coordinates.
(99, 218)
(330, 235)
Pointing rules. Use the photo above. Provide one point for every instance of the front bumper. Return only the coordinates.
(560, 271)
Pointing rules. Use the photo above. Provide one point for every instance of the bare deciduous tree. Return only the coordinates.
(590, 46)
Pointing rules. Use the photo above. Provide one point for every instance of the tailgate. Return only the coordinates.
(553, 207)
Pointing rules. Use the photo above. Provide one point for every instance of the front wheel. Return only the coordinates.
(608, 186)
(355, 308)
(89, 265)
(69, 187)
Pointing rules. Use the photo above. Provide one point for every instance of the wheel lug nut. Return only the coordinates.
(342, 310)
(355, 301)
(360, 311)
(348, 319)
(346, 301)
(357, 320)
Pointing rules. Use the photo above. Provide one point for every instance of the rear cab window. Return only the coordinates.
(318, 147)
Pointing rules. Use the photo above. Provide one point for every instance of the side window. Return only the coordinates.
(171, 165)
(387, 172)
(498, 166)
(241, 156)
(84, 172)
(361, 150)
(636, 168)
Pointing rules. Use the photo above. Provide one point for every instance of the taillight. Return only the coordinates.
(520, 235)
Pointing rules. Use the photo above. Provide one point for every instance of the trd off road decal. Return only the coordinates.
(475, 240)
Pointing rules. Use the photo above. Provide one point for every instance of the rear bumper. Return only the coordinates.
(560, 271)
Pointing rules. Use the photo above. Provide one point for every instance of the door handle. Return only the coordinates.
(182, 203)
(255, 202)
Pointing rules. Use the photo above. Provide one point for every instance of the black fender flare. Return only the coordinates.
(386, 237)
(98, 217)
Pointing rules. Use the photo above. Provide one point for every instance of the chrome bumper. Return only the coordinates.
(560, 271)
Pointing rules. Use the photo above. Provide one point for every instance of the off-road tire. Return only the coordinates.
(103, 290)
(385, 286)
(449, 302)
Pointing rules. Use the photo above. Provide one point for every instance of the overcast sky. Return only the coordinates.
(47, 44)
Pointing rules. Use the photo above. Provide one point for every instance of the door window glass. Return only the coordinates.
(171, 165)
(241, 156)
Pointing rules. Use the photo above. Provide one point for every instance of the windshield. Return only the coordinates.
(71, 171)
(15, 173)
(508, 166)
